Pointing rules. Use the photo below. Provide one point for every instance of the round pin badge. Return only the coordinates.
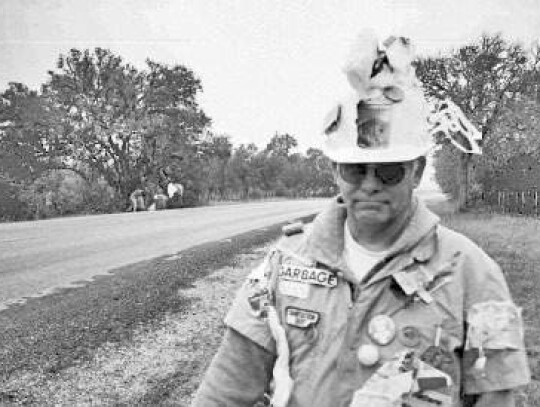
(368, 355)
(409, 336)
(382, 329)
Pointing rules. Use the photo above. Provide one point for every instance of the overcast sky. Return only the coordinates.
(266, 66)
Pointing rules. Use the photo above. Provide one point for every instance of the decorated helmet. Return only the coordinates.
(384, 117)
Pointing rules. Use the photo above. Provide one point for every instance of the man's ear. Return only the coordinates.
(419, 167)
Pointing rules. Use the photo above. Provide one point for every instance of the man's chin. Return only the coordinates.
(370, 216)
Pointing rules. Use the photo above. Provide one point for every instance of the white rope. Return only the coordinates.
(447, 118)
(283, 383)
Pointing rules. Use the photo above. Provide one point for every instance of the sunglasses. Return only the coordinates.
(389, 174)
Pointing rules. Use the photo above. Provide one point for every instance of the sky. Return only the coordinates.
(266, 66)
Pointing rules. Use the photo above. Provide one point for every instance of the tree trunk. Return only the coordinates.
(463, 177)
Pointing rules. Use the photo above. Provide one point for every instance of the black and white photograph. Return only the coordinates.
(270, 203)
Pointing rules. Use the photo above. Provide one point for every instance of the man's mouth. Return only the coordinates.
(369, 204)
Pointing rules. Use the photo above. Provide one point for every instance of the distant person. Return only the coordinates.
(137, 200)
(163, 178)
(376, 303)
(175, 191)
(159, 201)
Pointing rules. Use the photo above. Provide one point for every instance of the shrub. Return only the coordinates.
(282, 191)
(99, 197)
(59, 193)
(11, 206)
(256, 193)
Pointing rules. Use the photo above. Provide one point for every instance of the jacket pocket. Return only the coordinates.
(304, 345)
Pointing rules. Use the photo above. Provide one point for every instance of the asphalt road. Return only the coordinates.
(38, 257)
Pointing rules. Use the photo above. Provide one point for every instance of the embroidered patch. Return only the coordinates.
(421, 283)
(494, 325)
(301, 318)
(411, 281)
(294, 289)
(423, 280)
(308, 275)
(430, 378)
(258, 300)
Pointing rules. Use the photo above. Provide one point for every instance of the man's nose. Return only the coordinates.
(371, 183)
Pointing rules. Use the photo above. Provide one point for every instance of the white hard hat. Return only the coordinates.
(384, 117)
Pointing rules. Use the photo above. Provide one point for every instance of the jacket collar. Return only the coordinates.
(325, 240)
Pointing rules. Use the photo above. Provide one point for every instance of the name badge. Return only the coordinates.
(308, 275)
(301, 318)
(294, 289)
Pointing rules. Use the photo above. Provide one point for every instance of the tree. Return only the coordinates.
(216, 150)
(281, 145)
(481, 78)
(126, 124)
(511, 158)
(242, 171)
(320, 173)
(31, 135)
(32, 144)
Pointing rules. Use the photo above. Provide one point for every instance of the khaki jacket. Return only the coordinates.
(441, 292)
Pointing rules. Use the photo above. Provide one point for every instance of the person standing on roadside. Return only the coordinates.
(375, 303)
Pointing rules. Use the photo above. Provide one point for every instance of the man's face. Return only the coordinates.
(376, 195)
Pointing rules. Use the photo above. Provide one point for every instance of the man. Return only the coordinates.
(137, 200)
(376, 304)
